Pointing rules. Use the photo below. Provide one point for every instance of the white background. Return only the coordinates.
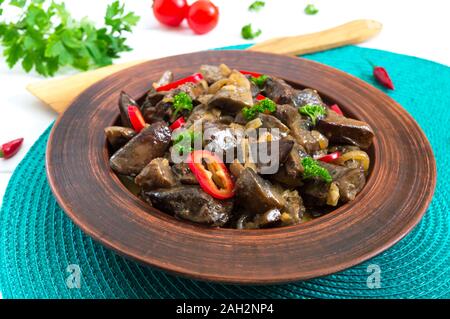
(413, 27)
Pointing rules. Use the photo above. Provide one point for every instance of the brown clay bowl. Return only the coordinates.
(398, 191)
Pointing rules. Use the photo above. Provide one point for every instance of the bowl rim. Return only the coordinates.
(239, 236)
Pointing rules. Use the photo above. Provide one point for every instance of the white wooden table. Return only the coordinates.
(414, 27)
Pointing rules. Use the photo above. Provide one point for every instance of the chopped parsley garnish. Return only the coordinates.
(311, 9)
(248, 33)
(181, 101)
(260, 80)
(312, 169)
(266, 105)
(249, 113)
(263, 106)
(314, 111)
(256, 6)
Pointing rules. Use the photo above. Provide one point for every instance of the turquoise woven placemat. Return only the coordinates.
(38, 241)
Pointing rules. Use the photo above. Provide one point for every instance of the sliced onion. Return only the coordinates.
(216, 86)
(323, 141)
(224, 69)
(254, 124)
(359, 156)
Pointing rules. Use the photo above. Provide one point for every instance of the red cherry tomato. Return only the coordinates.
(170, 12)
(202, 16)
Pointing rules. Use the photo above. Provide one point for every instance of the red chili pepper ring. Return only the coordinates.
(260, 97)
(136, 118)
(330, 157)
(213, 177)
(196, 77)
(337, 109)
(253, 74)
(177, 124)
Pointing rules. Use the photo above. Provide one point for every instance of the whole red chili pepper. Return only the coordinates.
(9, 149)
(382, 77)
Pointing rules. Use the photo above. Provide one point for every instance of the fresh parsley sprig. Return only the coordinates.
(260, 80)
(314, 111)
(263, 106)
(312, 169)
(46, 38)
(181, 101)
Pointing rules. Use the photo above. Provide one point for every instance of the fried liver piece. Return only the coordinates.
(191, 203)
(349, 181)
(152, 142)
(256, 194)
(118, 136)
(344, 130)
(157, 174)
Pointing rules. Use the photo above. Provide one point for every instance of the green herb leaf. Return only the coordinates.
(263, 106)
(18, 3)
(14, 53)
(248, 33)
(1, 11)
(260, 80)
(249, 113)
(314, 111)
(312, 169)
(311, 9)
(47, 38)
(256, 6)
(266, 106)
(28, 62)
(182, 101)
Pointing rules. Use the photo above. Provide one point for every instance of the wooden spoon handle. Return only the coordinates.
(59, 93)
(349, 33)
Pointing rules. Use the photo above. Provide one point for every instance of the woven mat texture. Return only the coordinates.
(38, 241)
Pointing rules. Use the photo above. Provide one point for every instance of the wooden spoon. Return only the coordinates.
(59, 93)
